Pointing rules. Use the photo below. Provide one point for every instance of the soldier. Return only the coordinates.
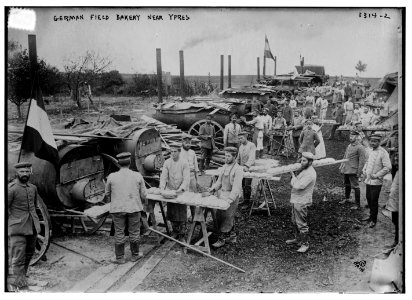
(231, 133)
(23, 224)
(176, 177)
(246, 159)
(126, 190)
(207, 137)
(229, 188)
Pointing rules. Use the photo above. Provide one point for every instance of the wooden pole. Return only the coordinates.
(275, 64)
(222, 59)
(159, 74)
(258, 68)
(196, 250)
(182, 74)
(229, 71)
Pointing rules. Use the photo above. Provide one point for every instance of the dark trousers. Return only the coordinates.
(333, 130)
(395, 221)
(247, 188)
(393, 171)
(21, 250)
(206, 157)
(132, 221)
(372, 196)
(296, 143)
(352, 182)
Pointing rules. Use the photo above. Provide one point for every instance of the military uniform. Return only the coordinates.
(127, 192)
(23, 226)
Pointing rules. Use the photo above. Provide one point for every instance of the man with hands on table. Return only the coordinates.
(229, 188)
(176, 177)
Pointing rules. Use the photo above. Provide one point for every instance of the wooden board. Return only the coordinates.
(96, 212)
(139, 276)
(181, 199)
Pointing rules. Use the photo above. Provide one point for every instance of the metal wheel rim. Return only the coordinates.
(43, 238)
(194, 131)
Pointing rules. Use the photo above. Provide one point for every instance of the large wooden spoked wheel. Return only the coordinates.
(44, 236)
(194, 131)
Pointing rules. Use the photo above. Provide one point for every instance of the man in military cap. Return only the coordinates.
(229, 188)
(207, 136)
(352, 169)
(308, 139)
(176, 177)
(246, 159)
(376, 167)
(301, 198)
(23, 224)
(126, 191)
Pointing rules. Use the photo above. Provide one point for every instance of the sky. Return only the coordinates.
(335, 38)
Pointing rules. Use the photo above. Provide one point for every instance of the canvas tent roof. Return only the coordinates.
(318, 70)
(389, 82)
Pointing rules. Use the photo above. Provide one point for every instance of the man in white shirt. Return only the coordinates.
(323, 108)
(367, 117)
(376, 167)
(384, 111)
(258, 123)
(231, 133)
(301, 198)
(293, 103)
(318, 105)
(267, 126)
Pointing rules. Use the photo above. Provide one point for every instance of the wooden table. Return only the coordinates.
(201, 213)
(257, 203)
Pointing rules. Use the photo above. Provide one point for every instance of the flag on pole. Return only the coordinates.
(268, 53)
(38, 137)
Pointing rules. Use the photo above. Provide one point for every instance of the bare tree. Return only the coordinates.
(82, 71)
(361, 67)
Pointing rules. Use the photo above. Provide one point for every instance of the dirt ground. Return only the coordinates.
(337, 240)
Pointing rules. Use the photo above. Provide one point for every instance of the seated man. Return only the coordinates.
(229, 188)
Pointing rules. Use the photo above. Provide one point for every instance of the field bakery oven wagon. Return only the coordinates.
(79, 183)
(191, 114)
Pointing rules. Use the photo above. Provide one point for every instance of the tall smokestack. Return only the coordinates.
(222, 60)
(182, 74)
(229, 71)
(275, 64)
(258, 68)
(159, 74)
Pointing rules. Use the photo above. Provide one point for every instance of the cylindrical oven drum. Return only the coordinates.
(91, 191)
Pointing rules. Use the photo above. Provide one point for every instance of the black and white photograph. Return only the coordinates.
(204, 149)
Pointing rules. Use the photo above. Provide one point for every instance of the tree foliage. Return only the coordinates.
(82, 71)
(20, 84)
(361, 67)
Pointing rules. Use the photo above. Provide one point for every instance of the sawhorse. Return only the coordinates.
(200, 217)
(264, 205)
(152, 218)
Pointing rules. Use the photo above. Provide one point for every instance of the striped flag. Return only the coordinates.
(268, 53)
(38, 137)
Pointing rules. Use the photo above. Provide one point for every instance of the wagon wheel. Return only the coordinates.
(288, 94)
(88, 225)
(43, 237)
(194, 131)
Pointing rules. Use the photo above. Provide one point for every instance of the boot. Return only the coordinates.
(136, 254)
(220, 243)
(304, 237)
(27, 263)
(119, 252)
